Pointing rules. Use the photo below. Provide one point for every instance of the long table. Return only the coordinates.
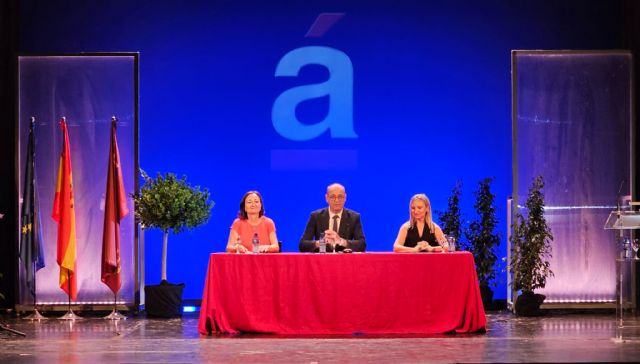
(306, 293)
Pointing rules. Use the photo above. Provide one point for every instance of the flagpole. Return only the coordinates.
(113, 212)
(63, 213)
(36, 314)
(115, 315)
(69, 315)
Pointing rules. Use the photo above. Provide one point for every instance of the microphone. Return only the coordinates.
(619, 192)
(620, 189)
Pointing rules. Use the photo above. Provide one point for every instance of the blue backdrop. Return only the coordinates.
(389, 98)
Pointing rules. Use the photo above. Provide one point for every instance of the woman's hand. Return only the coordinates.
(241, 249)
(444, 245)
(425, 246)
(264, 248)
(422, 246)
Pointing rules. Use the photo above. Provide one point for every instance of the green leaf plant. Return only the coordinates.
(531, 243)
(171, 204)
(451, 219)
(481, 235)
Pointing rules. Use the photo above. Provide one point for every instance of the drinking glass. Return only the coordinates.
(323, 244)
(451, 241)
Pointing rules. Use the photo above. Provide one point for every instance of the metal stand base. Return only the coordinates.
(70, 316)
(35, 316)
(115, 315)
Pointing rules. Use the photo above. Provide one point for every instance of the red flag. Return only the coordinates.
(115, 208)
(63, 213)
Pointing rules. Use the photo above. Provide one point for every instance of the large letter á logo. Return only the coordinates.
(339, 88)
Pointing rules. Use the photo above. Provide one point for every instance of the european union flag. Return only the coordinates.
(31, 250)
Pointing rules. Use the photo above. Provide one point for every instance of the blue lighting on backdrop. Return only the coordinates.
(389, 98)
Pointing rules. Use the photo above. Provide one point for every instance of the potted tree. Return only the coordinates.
(169, 204)
(450, 220)
(483, 240)
(530, 250)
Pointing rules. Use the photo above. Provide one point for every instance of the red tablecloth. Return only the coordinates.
(305, 293)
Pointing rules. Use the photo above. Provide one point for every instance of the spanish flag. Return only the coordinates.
(64, 215)
(115, 208)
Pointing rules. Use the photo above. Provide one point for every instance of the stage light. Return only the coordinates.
(577, 207)
(585, 300)
(76, 303)
(190, 309)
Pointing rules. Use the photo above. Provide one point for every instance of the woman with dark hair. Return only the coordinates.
(420, 233)
(251, 223)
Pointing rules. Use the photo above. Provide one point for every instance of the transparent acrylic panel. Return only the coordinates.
(627, 318)
(88, 90)
(623, 220)
(573, 126)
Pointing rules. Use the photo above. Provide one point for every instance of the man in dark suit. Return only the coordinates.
(341, 227)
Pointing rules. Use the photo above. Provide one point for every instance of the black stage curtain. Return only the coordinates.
(8, 199)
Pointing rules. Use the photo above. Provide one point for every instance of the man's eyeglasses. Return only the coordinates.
(336, 197)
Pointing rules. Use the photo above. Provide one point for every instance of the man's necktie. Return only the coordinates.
(335, 228)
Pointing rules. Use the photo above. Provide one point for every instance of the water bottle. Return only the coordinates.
(238, 242)
(626, 248)
(256, 243)
(323, 244)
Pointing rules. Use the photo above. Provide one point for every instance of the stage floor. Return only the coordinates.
(556, 337)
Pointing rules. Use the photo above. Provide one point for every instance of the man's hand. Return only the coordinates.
(332, 237)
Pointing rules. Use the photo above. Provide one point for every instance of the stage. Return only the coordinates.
(560, 336)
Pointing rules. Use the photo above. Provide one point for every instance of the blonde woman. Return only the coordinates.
(420, 233)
